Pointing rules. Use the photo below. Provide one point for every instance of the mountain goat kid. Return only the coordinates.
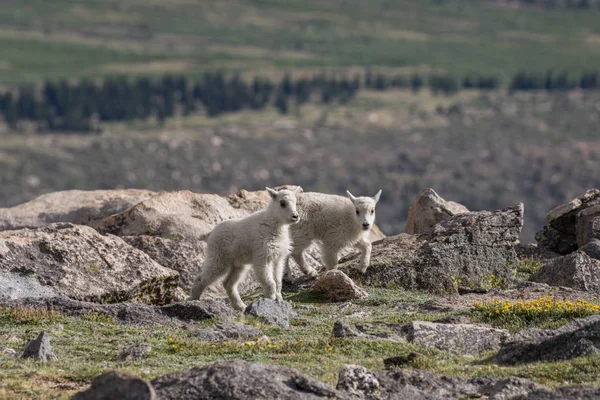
(336, 221)
(261, 239)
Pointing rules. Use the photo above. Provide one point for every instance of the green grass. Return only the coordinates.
(67, 38)
(87, 346)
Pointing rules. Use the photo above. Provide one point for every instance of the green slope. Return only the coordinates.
(40, 39)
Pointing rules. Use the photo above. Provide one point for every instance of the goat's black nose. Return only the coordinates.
(295, 216)
(366, 224)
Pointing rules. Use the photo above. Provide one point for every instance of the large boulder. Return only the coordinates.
(171, 228)
(78, 262)
(471, 250)
(572, 224)
(576, 270)
(76, 206)
(242, 380)
(429, 209)
(578, 338)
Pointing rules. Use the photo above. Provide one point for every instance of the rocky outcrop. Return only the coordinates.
(576, 270)
(429, 209)
(472, 250)
(462, 339)
(75, 206)
(78, 262)
(357, 380)
(242, 380)
(337, 286)
(572, 224)
(578, 338)
(176, 314)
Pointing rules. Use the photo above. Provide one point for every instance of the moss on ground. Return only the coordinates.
(87, 346)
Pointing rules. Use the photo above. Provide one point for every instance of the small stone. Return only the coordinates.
(342, 329)
(39, 349)
(272, 311)
(8, 352)
(337, 286)
(135, 352)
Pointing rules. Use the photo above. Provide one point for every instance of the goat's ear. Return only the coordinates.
(298, 190)
(350, 196)
(272, 192)
(377, 196)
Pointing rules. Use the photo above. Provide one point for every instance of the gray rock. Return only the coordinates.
(592, 249)
(578, 338)
(272, 311)
(472, 250)
(588, 225)
(531, 251)
(464, 339)
(576, 270)
(14, 285)
(337, 286)
(356, 380)
(560, 233)
(117, 385)
(78, 262)
(429, 209)
(224, 331)
(424, 385)
(577, 392)
(129, 313)
(39, 348)
(75, 206)
(136, 352)
(242, 380)
(342, 329)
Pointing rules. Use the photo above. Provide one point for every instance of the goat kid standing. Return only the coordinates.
(261, 240)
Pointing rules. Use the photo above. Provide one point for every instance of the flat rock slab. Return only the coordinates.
(465, 251)
(76, 206)
(78, 262)
(462, 339)
(578, 338)
(177, 314)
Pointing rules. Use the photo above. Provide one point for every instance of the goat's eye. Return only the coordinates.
(372, 211)
(283, 204)
(357, 212)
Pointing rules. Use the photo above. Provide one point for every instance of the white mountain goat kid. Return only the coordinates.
(336, 221)
(261, 239)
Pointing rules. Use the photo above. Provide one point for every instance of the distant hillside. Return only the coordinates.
(485, 151)
(68, 38)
